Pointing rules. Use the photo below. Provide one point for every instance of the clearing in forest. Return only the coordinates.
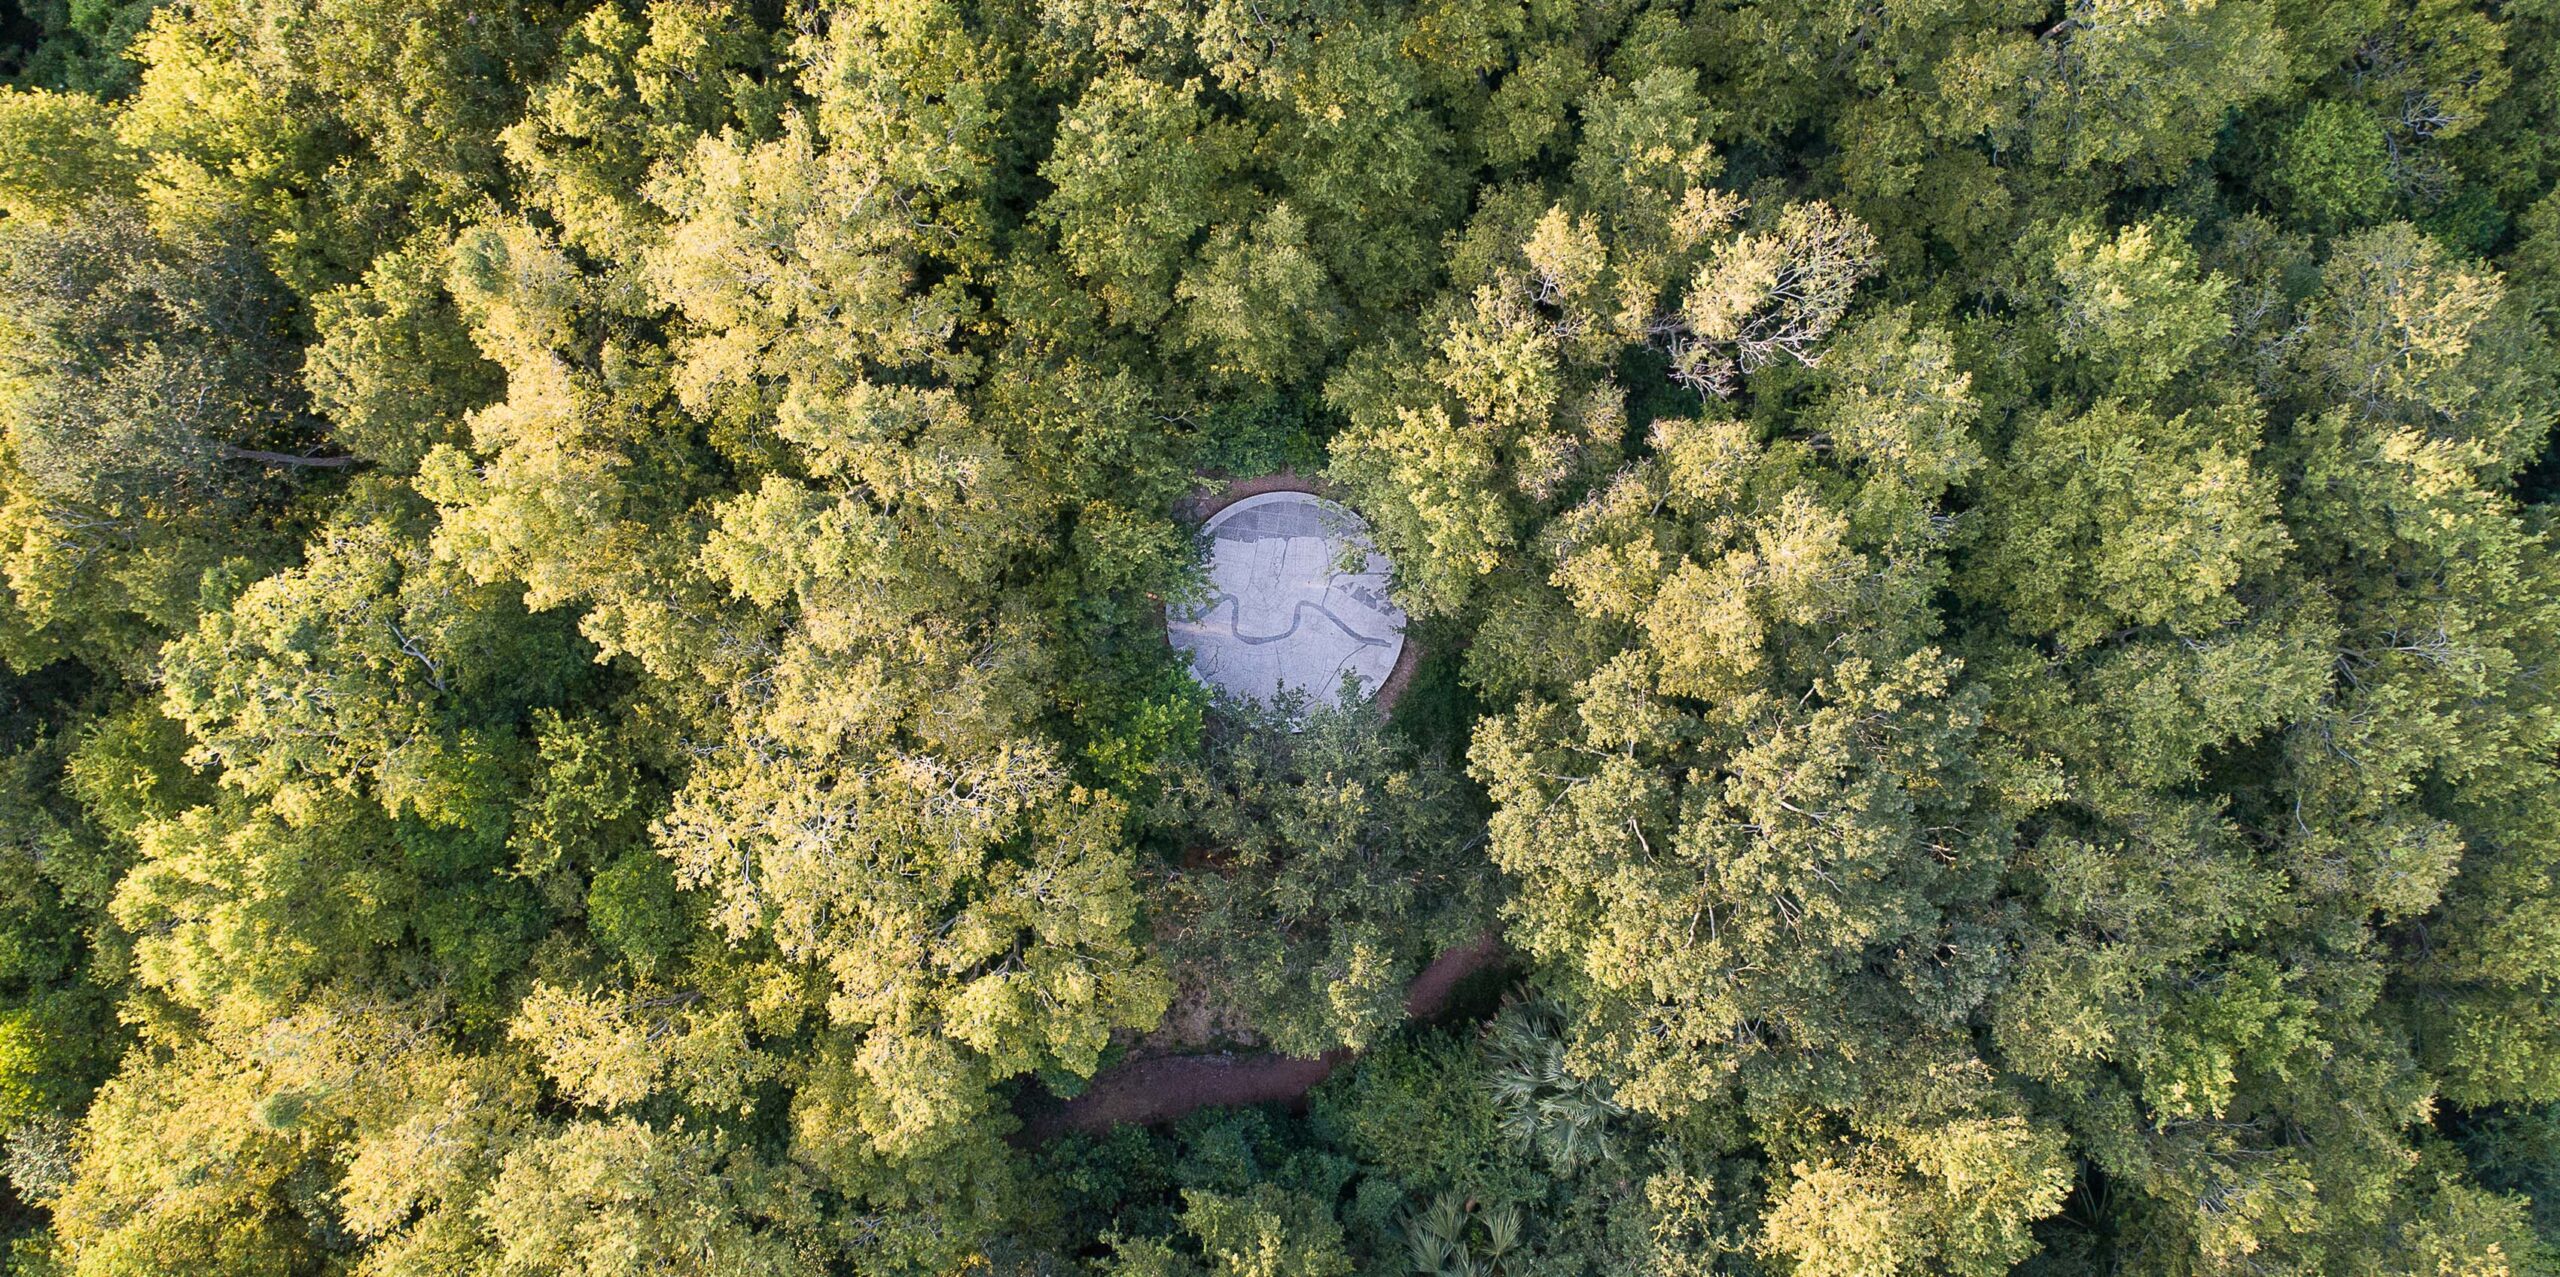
(1283, 614)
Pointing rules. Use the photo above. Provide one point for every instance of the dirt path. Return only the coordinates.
(1146, 1092)
(1429, 993)
(1150, 1091)
(1203, 501)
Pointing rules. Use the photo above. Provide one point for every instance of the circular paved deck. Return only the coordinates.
(1280, 616)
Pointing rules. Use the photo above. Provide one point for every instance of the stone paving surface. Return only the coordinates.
(1280, 614)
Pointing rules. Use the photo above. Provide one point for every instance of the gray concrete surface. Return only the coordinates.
(1280, 614)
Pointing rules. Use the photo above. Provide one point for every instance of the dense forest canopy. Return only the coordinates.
(583, 594)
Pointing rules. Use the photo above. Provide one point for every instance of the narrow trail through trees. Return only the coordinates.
(1162, 1088)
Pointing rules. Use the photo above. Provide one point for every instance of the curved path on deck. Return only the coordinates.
(1162, 1088)
(1217, 494)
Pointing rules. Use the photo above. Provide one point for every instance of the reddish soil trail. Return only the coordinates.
(1147, 1092)
(1428, 995)
(1399, 678)
(1214, 494)
(1160, 1089)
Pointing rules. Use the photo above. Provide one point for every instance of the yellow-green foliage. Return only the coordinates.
(582, 588)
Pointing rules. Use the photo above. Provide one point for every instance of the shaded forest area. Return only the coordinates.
(582, 593)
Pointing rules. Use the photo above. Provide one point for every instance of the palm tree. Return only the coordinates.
(1451, 1238)
(1546, 1108)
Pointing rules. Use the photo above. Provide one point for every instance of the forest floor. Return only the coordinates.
(1162, 1088)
